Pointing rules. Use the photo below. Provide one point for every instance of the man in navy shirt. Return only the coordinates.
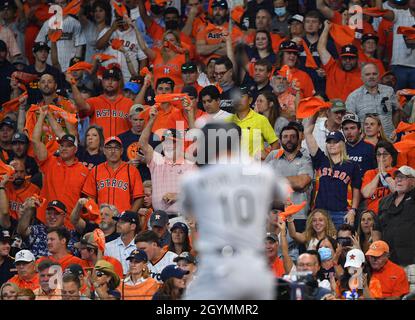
(130, 139)
(7, 267)
(358, 150)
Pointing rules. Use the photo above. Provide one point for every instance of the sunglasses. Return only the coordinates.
(99, 273)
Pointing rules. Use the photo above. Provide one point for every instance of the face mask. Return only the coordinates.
(280, 11)
(325, 254)
(172, 25)
(18, 182)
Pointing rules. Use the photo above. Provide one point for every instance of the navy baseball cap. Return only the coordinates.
(350, 117)
(271, 236)
(40, 45)
(159, 218)
(20, 137)
(348, 51)
(172, 271)
(57, 205)
(368, 36)
(185, 256)
(335, 135)
(127, 216)
(69, 137)
(220, 3)
(8, 122)
(289, 46)
(189, 67)
(138, 255)
(180, 225)
(5, 236)
(75, 269)
(113, 73)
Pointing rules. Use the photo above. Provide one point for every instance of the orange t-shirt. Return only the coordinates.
(65, 261)
(118, 187)
(141, 291)
(171, 69)
(392, 279)
(31, 284)
(380, 192)
(213, 34)
(278, 268)
(164, 119)
(61, 182)
(16, 197)
(306, 84)
(111, 115)
(340, 83)
(199, 23)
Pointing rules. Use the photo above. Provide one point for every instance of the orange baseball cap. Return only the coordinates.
(378, 248)
(112, 139)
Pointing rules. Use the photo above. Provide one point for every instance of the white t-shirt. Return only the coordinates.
(130, 44)
(72, 37)
(156, 269)
(231, 204)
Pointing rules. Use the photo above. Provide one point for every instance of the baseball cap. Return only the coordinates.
(337, 105)
(180, 225)
(20, 59)
(108, 268)
(220, 3)
(172, 271)
(190, 90)
(185, 256)
(112, 139)
(136, 109)
(406, 170)
(139, 255)
(40, 45)
(127, 216)
(74, 60)
(114, 73)
(69, 137)
(271, 236)
(296, 17)
(189, 67)
(355, 258)
(25, 256)
(335, 135)
(348, 51)
(350, 116)
(20, 137)
(87, 240)
(368, 36)
(5, 236)
(57, 205)
(8, 122)
(289, 46)
(134, 87)
(3, 46)
(159, 218)
(75, 269)
(378, 248)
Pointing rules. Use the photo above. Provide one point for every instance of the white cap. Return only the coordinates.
(24, 255)
(296, 17)
(355, 258)
(407, 171)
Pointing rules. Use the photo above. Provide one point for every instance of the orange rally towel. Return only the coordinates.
(309, 106)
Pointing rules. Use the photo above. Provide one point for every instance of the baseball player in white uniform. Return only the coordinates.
(70, 43)
(230, 203)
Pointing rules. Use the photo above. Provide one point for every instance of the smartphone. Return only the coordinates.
(345, 241)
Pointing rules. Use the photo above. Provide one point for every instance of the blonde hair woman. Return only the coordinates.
(138, 285)
(318, 226)
(336, 174)
(9, 291)
(373, 130)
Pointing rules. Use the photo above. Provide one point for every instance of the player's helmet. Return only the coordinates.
(216, 138)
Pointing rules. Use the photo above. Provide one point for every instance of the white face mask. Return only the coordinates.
(280, 11)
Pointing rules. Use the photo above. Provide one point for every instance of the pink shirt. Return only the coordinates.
(8, 37)
(166, 177)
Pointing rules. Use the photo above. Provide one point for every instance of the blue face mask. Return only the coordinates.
(280, 11)
(325, 254)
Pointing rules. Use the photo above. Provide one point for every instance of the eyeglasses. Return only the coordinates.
(220, 74)
(374, 114)
(401, 177)
(99, 273)
(306, 265)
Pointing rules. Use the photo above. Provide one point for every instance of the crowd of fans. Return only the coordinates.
(97, 112)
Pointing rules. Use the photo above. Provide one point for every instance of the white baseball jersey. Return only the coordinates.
(157, 268)
(72, 37)
(231, 204)
(134, 51)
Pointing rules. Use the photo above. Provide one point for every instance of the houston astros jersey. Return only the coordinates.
(230, 203)
(157, 268)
